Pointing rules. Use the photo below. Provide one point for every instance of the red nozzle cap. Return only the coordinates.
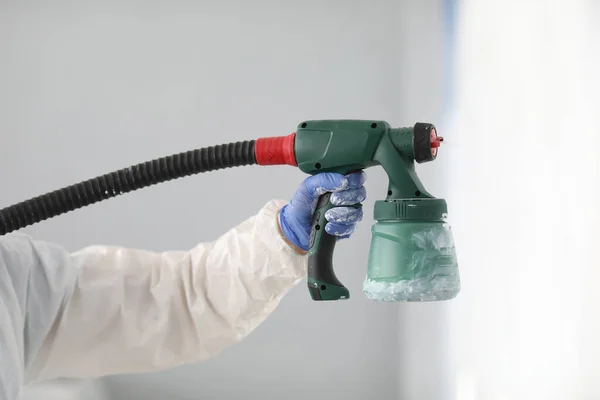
(435, 143)
(276, 150)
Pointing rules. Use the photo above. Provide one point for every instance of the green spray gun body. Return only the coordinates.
(412, 255)
(412, 249)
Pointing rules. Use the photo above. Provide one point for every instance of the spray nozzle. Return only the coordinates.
(426, 142)
(436, 142)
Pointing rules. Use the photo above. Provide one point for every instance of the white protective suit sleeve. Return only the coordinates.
(109, 310)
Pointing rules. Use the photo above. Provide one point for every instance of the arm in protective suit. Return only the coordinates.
(110, 310)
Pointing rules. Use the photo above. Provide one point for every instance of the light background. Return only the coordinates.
(91, 86)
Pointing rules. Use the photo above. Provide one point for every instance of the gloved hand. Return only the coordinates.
(295, 217)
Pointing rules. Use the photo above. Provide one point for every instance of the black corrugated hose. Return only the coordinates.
(126, 180)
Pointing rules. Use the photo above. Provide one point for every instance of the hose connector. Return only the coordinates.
(277, 150)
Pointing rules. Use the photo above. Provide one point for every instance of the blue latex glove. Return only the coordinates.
(296, 216)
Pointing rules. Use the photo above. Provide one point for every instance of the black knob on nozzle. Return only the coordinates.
(425, 142)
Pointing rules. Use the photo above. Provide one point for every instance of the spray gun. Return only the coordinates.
(412, 255)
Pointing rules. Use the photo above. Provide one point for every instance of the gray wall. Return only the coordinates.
(424, 334)
(95, 86)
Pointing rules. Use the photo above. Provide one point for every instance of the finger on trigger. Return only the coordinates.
(356, 179)
(318, 185)
(349, 197)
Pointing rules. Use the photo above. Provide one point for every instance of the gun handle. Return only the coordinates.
(322, 282)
